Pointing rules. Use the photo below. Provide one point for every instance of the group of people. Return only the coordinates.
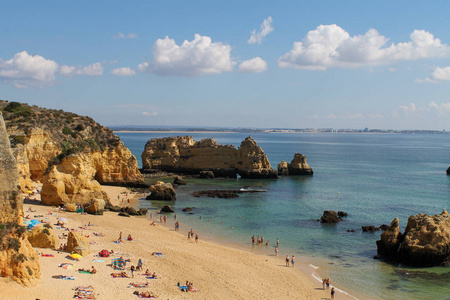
(189, 287)
(129, 238)
(191, 235)
(292, 260)
(260, 241)
(327, 283)
(92, 271)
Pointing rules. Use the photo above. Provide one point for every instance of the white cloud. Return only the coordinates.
(442, 108)
(125, 71)
(254, 65)
(25, 70)
(95, 69)
(153, 113)
(122, 35)
(408, 108)
(197, 57)
(438, 74)
(266, 28)
(331, 46)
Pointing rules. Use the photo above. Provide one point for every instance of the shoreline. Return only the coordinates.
(218, 271)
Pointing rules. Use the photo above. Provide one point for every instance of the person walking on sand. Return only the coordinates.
(332, 293)
(287, 260)
(196, 237)
(132, 270)
(120, 237)
(292, 260)
(276, 251)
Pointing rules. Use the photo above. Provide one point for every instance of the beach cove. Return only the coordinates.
(217, 271)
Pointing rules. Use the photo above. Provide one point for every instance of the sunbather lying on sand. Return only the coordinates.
(144, 294)
(138, 285)
(120, 274)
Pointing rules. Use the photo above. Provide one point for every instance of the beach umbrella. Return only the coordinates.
(64, 220)
(104, 253)
(75, 256)
(67, 266)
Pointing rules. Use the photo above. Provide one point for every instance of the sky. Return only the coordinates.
(253, 64)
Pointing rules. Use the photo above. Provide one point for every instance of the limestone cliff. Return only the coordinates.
(17, 258)
(52, 145)
(183, 155)
(425, 242)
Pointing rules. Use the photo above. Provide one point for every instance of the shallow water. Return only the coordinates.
(372, 177)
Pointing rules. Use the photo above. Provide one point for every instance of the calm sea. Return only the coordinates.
(373, 177)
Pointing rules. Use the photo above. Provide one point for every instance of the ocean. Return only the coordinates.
(372, 177)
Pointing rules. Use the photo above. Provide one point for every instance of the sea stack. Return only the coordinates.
(298, 166)
(184, 155)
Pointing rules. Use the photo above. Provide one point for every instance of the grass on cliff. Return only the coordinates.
(10, 234)
(73, 133)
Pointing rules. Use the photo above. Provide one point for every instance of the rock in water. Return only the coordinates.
(42, 237)
(162, 191)
(329, 216)
(448, 171)
(206, 174)
(425, 242)
(167, 208)
(179, 180)
(78, 244)
(299, 166)
(183, 155)
(283, 168)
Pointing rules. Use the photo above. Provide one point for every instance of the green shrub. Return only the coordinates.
(13, 243)
(49, 226)
(66, 130)
(79, 127)
(17, 140)
(19, 258)
(30, 272)
(45, 230)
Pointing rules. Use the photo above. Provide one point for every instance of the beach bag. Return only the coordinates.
(104, 253)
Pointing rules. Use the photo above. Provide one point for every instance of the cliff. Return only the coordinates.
(17, 258)
(183, 155)
(425, 242)
(52, 145)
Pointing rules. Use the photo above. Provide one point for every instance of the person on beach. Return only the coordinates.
(287, 260)
(278, 241)
(253, 240)
(175, 216)
(120, 237)
(192, 233)
(177, 226)
(140, 264)
(328, 282)
(94, 270)
(258, 240)
(292, 260)
(189, 235)
(262, 240)
(276, 251)
(132, 270)
(323, 283)
(151, 216)
(165, 219)
(196, 237)
(332, 293)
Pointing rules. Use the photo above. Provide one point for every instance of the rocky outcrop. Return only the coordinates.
(78, 244)
(178, 180)
(283, 168)
(72, 181)
(425, 242)
(167, 208)
(298, 166)
(162, 191)
(330, 216)
(448, 171)
(18, 260)
(42, 237)
(70, 207)
(95, 207)
(183, 155)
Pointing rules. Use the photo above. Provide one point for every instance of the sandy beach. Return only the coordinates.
(217, 271)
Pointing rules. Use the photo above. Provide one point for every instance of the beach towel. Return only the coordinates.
(47, 255)
(117, 242)
(157, 254)
(64, 277)
(84, 272)
(98, 260)
(142, 297)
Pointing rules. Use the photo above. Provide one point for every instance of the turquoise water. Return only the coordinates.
(372, 177)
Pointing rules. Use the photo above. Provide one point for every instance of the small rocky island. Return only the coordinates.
(210, 159)
(424, 243)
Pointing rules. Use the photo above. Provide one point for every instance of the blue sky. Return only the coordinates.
(282, 64)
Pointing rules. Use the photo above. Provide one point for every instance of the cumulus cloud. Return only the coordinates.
(197, 57)
(266, 28)
(331, 46)
(95, 69)
(408, 108)
(25, 70)
(122, 35)
(439, 74)
(125, 71)
(442, 107)
(254, 65)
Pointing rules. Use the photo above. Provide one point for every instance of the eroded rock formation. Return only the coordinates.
(183, 155)
(42, 237)
(18, 260)
(425, 242)
(298, 166)
(78, 244)
(162, 191)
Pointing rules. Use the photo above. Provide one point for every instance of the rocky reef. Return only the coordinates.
(70, 154)
(18, 260)
(425, 241)
(298, 166)
(184, 155)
